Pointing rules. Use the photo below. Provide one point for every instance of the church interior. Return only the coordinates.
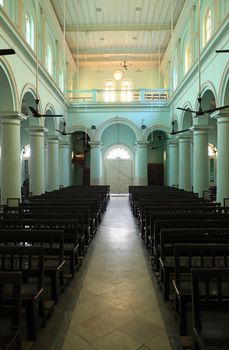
(114, 168)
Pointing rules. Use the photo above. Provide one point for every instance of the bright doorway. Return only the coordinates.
(118, 169)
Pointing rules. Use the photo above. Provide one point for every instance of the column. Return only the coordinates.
(37, 161)
(222, 180)
(53, 163)
(10, 155)
(185, 179)
(96, 163)
(173, 162)
(64, 164)
(141, 176)
(200, 159)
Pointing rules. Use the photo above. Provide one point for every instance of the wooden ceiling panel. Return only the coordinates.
(118, 27)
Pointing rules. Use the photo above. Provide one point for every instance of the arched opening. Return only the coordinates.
(208, 102)
(119, 140)
(25, 157)
(81, 158)
(156, 157)
(6, 101)
(118, 169)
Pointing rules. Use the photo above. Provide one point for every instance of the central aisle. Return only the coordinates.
(117, 307)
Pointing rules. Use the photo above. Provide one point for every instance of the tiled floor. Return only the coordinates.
(113, 301)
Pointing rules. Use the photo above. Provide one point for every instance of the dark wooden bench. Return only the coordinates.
(50, 222)
(30, 262)
(87, 225)
(210, 308)
(170, 237)
(53, 243)
(192, 222)
(10, 313)
(187, 257)
(166, 210)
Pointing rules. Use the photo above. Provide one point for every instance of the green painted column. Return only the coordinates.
(141, 177)
(37, 161)
(64, 163)
(96, 163)
(173, 162)
(10, 155)
(53, 162)
(223, 155)
(200, 159)
(185, 178)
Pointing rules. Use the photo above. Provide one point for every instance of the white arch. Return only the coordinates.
(84, 129)
(119, 120)
(223, 85)
(12, 82)
(153, 128)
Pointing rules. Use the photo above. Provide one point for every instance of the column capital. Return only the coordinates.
(221, 115)
(95, 144)
(53, 138)
(185, 137)
(173, 142)
(11, 117)
(200, 129)
(142, 143)
(36, 130)
(64, 144)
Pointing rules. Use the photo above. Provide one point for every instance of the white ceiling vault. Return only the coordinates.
(102, 32)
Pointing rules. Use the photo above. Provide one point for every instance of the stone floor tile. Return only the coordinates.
(116, 341)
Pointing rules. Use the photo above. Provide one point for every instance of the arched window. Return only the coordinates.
(109, 94)
(187, 58)
(126, 95)
(118, 153)
(207, 29)
(61, 79)
(29, 30)
(174, 78)
(48, 59)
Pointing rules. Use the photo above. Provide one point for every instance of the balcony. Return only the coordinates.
(156, 97)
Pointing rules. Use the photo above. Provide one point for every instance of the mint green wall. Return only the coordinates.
(118, 133)
(95, 78)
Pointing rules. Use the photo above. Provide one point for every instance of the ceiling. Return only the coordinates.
(102, 32)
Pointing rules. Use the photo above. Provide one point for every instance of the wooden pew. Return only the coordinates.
(210, 308)
(10, 313)
(69, 226)
(187, 257)
(53, 243)
(149, 213)
(29, 261)
(170, 237)
(87, 225)
(192, 222)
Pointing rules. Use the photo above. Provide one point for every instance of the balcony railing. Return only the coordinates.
(151, 96)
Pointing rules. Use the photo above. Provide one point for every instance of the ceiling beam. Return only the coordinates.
(128, 51)
(115, 59)
(118, 28)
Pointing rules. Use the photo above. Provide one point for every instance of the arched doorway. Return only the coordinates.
(118, 169)
(156, 157)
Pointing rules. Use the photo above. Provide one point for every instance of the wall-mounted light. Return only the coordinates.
(93, 127)
(143, 126)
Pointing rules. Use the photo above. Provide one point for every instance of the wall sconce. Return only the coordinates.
(143, 126)
(93, 127)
